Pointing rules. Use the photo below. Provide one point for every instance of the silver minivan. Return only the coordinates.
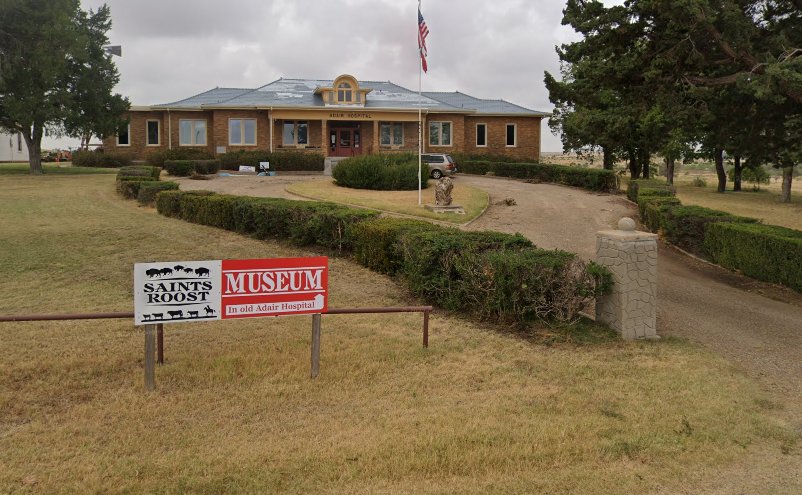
(440, 164)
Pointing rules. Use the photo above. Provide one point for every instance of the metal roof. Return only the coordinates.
(300, 93)
(461, 100)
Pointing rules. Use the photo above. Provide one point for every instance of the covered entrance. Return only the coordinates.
(345, 139)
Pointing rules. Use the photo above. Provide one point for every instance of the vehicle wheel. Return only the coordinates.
(436, 174)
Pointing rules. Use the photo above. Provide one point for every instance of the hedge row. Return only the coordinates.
(100, 158)
(586, 178)
(491, 275)
(157, 158)
(141, 183)
(185, 168)
(764, 252)
(281, 161)
(380, 172)
(460, 158)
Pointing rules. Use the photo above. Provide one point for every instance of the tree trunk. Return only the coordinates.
(788, 178)
(634, 171)
(722, 176)
(670, 170)
(645, 164)
(607, 159)
(33, 140)
(736, 179)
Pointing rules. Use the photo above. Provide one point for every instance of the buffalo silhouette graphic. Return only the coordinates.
(202, 272)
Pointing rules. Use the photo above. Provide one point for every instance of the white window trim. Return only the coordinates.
(295, 133)
(242, 131)
(158, 133)
(129, 138)
(477, 135)
(515, 135)
(205, 132)
(391, 124)
(441, 122)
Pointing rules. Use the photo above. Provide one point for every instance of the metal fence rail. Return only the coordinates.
(154, 333)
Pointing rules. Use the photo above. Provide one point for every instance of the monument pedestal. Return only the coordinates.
(446, 209)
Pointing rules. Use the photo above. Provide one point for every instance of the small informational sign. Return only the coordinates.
(247, 168)
(178, 291)
(264, 165)
(181, 292)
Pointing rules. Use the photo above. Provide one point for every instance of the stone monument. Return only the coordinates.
(631, 256)
(442, 198)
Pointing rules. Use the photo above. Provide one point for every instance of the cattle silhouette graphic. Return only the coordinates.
(202, 272)
(174, 314)
(192, 314)
(209, 310)
(158, 316)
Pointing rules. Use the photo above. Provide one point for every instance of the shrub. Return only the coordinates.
(282, 161)
(751, 175)
(128, 187)
(99, 158)
(185, 168)
(586, 178)
(380, 172)
(764, 252)
(686, 226)
(148, 191)
(651, 185)
(488, 274)
(654, 209)
(139, 171)
(699, 182)
(461, 158)
(157, 158)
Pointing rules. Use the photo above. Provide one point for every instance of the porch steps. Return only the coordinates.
(330, 163)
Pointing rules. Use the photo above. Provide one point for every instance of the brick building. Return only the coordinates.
(343, 117)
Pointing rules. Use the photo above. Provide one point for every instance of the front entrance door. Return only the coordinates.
(344, 141)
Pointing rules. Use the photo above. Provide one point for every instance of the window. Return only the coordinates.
(512, 135)
(124, 136)
(192, 132)
(481, 135)
(152, 138)
(344, 93)
(392, 134)
(440, 133)
(295, 133)
(19, 141)
(242, 132)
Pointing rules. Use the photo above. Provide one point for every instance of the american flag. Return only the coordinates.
(423, 32)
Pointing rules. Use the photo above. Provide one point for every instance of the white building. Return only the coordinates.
(12, 148)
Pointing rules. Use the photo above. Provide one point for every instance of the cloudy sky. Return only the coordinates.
(173, 49)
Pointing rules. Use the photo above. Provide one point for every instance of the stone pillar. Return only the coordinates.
(631, 256)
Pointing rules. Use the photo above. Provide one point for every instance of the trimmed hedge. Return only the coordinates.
(764, 252)
(651, 185)
(686, 226)
(380, 172)
(99, 158)
(157, 158)
(148, 191)
(281, 161)
(488, 157)
(139, 171)
(587, 178)
(128, 187)
(491, 275)
(185, 168)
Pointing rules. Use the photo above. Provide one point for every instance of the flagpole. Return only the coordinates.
(420, 118)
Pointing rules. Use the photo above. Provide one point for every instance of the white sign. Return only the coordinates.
(247, 168)
(177, 291)
(264, 165)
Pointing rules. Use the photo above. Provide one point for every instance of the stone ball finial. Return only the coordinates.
(626, 224)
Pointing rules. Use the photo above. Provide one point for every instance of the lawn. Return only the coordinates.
(65, 168)
(480, 411)
(472, 199)
(763, 204)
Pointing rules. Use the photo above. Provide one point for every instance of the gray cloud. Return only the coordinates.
(173, 49)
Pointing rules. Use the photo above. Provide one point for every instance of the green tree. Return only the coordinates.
(94, 110)
(46, 51)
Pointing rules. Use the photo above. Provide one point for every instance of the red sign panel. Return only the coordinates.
(273, 287)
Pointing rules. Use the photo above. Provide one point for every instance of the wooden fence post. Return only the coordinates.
(316, 345)
(150, 357)
(160, 343)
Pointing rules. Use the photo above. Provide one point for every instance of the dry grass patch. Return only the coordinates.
(235, 411)
(472, 199)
